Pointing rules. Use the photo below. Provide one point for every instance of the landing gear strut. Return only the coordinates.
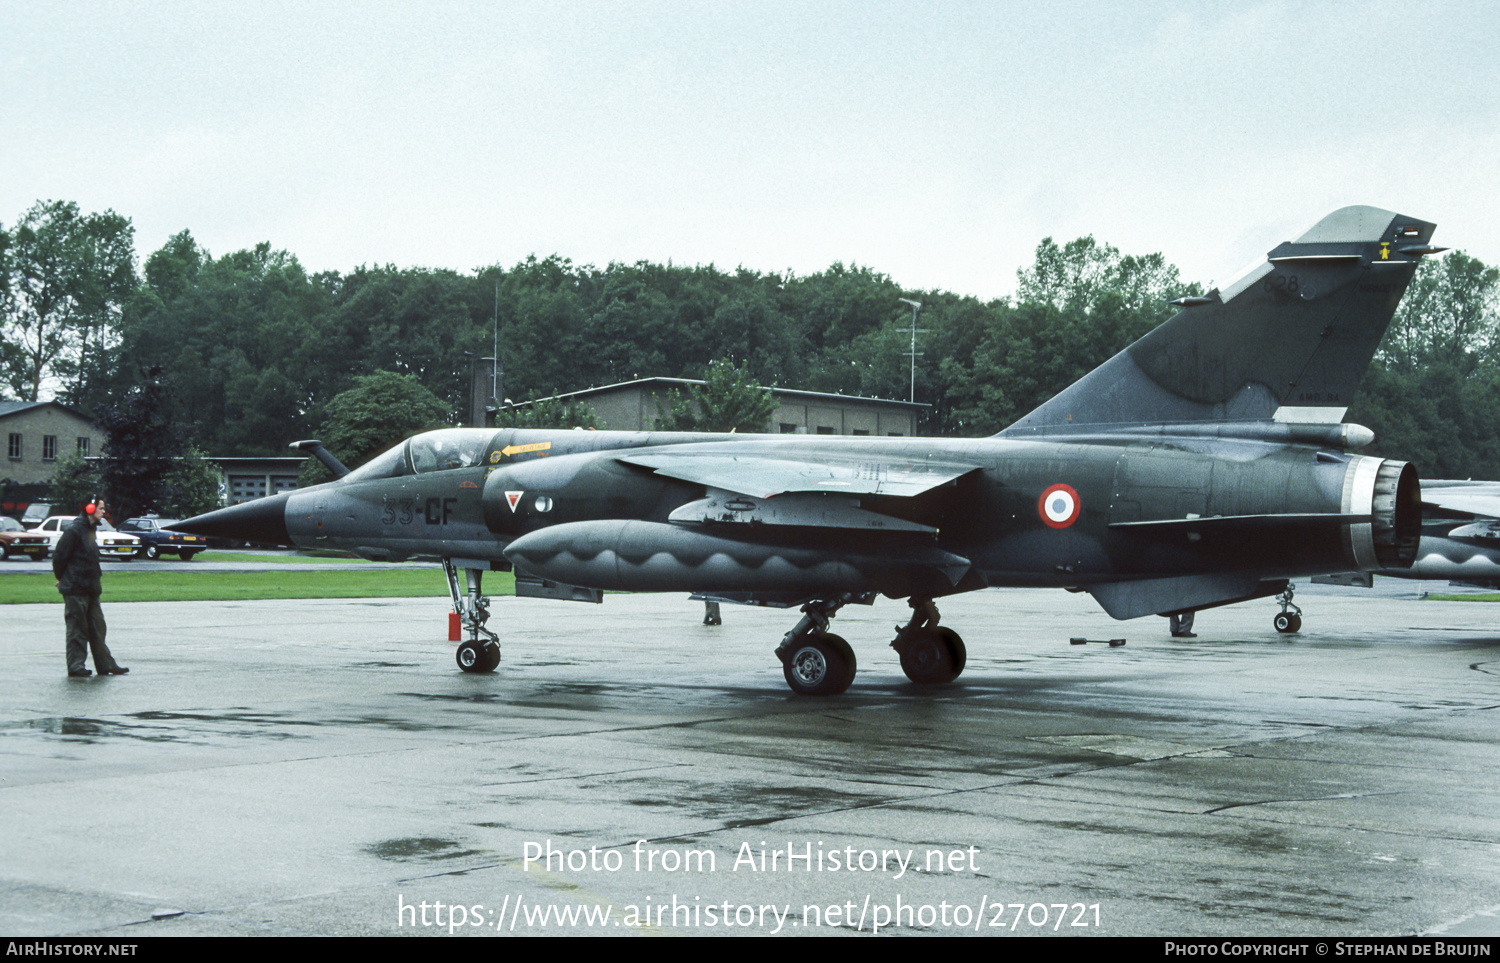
(814, 660)
(930, 654)
(1181, 625)
(1289, 619)
(474, 654)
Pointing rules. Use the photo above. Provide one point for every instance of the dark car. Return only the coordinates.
(157, 538)
(16, 540)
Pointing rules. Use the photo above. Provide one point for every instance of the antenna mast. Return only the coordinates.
(495, 361)
(916, 307)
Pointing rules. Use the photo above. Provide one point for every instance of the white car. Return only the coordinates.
(112, 544)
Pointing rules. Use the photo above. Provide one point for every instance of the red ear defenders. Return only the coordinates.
(91, 507)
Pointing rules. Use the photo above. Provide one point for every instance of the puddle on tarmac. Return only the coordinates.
(547, 697)
(779, 802)
(258, 718)
(161, 727)
(75, 729)
(480, 697)
(419, 847)
(182, 727)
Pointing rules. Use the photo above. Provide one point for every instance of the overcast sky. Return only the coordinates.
(934, 142)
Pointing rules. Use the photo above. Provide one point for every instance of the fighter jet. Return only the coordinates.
(1460, 534)
(1460, 542)
(1205, 464)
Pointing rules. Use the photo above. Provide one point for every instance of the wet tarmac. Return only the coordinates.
(321, 767)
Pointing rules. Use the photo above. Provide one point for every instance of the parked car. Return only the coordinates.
(157, 537)
(16, 540)
(35, 514)
(112, 544)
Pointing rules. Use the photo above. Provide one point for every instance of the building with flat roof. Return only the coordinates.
(635, 406)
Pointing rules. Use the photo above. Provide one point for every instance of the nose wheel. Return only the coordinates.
(478, 656)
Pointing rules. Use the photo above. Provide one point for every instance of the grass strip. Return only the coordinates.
(226, 586)
(1475, 597)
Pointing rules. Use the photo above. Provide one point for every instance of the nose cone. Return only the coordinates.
(262, 520)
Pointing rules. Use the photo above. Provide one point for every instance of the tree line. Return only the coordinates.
(255, 349)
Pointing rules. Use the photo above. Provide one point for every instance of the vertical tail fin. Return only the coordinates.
(1287, 340)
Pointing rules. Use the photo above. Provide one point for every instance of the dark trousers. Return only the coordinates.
(85, 623)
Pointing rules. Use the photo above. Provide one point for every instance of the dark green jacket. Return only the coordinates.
(75, 562)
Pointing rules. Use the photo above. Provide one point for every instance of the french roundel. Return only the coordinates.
(1059, 506)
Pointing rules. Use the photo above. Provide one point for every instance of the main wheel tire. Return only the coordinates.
(846, 652)
(491, 656)
(956, 646)
(822, 664)
(928, 658)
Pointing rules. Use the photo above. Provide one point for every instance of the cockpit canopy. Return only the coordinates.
(441, 450)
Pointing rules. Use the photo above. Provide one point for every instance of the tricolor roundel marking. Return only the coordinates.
(1059, 506)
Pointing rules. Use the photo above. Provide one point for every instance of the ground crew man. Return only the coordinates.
(75, 562)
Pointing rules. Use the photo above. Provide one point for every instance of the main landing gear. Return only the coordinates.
(817, 662)
(930, 654)
(1289, 619)
(814, 660)
(474, 654)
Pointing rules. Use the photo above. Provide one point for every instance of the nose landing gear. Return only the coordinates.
(474, 654)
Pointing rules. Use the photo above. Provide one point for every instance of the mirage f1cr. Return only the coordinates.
(1205, 464)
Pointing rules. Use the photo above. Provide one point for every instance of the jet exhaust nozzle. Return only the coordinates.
(1389, 492)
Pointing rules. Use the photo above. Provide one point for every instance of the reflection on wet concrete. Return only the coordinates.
(97, 730)
(91, 730)
(419, 848)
